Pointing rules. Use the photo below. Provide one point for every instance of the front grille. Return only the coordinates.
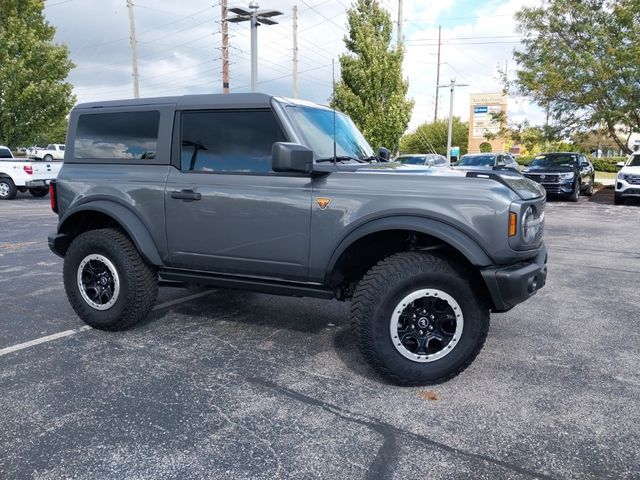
(633, 179)
(543, 178)
(631, 191)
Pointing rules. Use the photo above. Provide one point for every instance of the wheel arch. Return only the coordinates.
(104, 213)
(391, 232)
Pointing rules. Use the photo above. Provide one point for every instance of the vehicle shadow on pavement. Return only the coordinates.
(347, 350)
(604, 196)
(255, 309)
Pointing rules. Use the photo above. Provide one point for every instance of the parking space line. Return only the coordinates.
(38, 341)
(75, 331)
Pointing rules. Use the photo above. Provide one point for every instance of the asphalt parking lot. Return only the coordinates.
(235, 385)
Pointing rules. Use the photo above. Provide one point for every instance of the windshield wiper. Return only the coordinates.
(341, 158)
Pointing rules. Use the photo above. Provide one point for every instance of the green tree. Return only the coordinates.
(432, 137)
(371, 90)
(34, 97)
(579, 59)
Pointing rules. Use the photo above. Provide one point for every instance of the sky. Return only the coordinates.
(179, 49)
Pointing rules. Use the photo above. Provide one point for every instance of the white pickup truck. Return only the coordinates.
(53, 151)
(22, 175)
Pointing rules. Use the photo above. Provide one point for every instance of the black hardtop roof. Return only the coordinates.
(229, 100)
(558, 153)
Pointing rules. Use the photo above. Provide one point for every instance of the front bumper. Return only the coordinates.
(509, 286)
(627, 189)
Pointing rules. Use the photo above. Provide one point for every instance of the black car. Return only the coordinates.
(487, 161)
(562, 173)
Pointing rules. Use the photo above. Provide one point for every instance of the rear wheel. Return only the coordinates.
(47, 158)
(108, 283)
(8, 189)
(39, 191)
(417, 319)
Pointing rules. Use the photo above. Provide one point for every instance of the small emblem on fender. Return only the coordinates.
(323, 202)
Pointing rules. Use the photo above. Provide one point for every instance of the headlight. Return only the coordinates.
(530, 225)
(566, 176)
(622, 176)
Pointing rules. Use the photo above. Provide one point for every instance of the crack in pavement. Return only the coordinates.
(387, 454)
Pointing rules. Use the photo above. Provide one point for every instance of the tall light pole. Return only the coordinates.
(452, 86)
(134, 52)
(256, 17)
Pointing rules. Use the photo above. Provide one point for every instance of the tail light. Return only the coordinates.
(53, 196)
(28, 169)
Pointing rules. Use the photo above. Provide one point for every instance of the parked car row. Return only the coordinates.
(21, 175)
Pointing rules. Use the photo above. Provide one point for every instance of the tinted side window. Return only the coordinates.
(228, 141)
(5, 153)
(125, 135)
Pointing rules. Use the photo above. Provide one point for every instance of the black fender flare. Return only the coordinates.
(448, 234)
(126, 218)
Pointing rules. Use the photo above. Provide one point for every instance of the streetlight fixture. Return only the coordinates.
(256, 17)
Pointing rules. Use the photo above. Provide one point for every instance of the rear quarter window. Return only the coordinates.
(125, 136)
(5, 153)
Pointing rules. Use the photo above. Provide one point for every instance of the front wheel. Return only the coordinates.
(589, 191)
(417, 319)
(108, 283)
(39, 191)
(575, 195)
(8, 189)
(618, 200)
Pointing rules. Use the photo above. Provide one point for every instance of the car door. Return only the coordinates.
(226, 210)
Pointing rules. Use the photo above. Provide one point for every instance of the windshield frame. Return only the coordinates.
(292, 110)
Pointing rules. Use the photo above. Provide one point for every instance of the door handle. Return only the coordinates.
(188, 195)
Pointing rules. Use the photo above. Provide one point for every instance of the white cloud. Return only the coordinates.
(179, 48)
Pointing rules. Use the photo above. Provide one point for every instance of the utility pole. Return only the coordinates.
(225, 47)
(435, 114)
(256, 17)
(295, 51)
(134, 51)
(452, 86)
(400, 40)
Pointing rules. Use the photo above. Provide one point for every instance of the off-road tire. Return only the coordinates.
(138, 280)
(575, 195)
(8, 189)
(385, 285)
(39, 191)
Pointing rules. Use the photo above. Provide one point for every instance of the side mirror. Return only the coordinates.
(383, 153)
(291, 157)
(620, 165)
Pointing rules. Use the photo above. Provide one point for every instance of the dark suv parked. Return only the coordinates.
(567, 174)
(255, 192)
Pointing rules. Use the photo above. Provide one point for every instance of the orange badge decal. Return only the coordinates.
(323, 202)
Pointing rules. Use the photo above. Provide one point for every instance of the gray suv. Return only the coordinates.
(250, 191)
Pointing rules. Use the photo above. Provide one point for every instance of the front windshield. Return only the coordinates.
(558, 160)
(317, 126)
(634, 161)
(476, 161)
(412, 160)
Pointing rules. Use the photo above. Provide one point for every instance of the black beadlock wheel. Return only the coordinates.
(417, 319)
(108, 283)
(8, 190)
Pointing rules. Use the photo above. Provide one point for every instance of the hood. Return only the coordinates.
(557, 169)
(631, 170)
(526, 189)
